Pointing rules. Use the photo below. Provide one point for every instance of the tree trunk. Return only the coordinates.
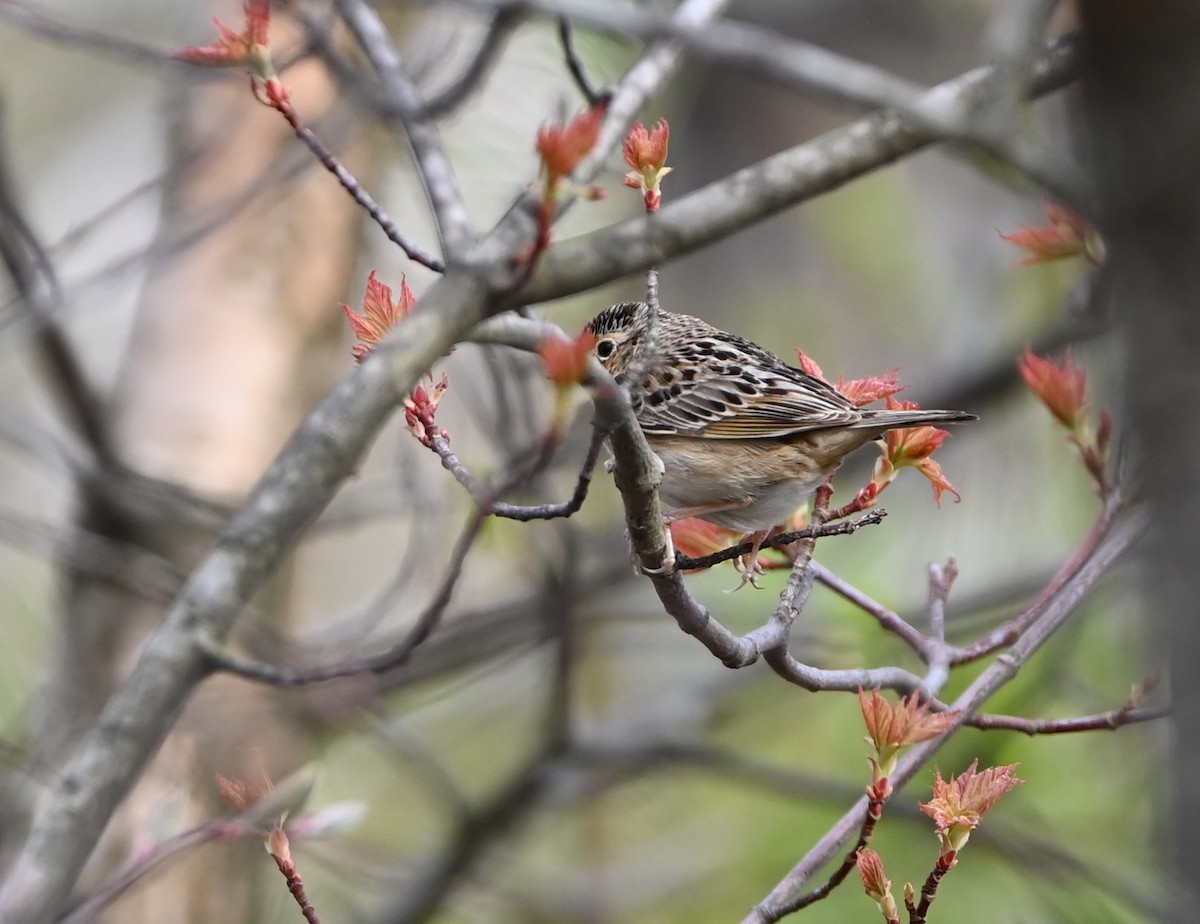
(238, 335)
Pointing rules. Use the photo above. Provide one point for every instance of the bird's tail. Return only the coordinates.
(882, 420)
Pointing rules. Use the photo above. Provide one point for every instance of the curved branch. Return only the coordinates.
(492, 44)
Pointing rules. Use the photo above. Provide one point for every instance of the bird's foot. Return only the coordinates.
(747, 564)
(748, 567)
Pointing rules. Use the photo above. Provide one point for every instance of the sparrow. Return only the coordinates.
(744, 438)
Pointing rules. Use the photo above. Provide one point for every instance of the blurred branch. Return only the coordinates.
(788, 61)
(495, 631)
(291, 494)
(1013, 39)
(422, 628)
(477, 832)
(478, 829)
(92, 905)
(35, 280)
(424, 762)
(93, 554)
(30, 20)
(566, 38)
(379, 99)
(490, 47)
(624, 760)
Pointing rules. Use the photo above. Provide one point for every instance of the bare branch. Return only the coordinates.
(810, 68)
(522, 512)
(1008, 633)
(351, 184)
(91, 40)
(887, 619)
(575, 66)
(35, 280)
(1101, 721)
(760, 191)
(871, 518)
(1014, 36)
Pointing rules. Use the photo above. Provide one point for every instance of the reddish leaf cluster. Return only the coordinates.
(891, 727)
(380, 313)
(861, 391)
(959, 804)
(562, 147)
(908, 448)
(1065, 235)
(646, 152)
(912, 447)
(876, 883)
(420, 408)
(249, 48)
(234, 49)
(566, 359)
(957, 807)
(1063, 388)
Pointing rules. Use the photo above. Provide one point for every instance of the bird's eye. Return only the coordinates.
(604, 348)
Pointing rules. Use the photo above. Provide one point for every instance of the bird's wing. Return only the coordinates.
(730, 388)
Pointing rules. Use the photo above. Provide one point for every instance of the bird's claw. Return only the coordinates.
(748, 567)
(667, 566)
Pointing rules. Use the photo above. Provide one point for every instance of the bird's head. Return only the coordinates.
(619, 332)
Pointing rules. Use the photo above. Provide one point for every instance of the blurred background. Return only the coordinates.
(201, 258)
